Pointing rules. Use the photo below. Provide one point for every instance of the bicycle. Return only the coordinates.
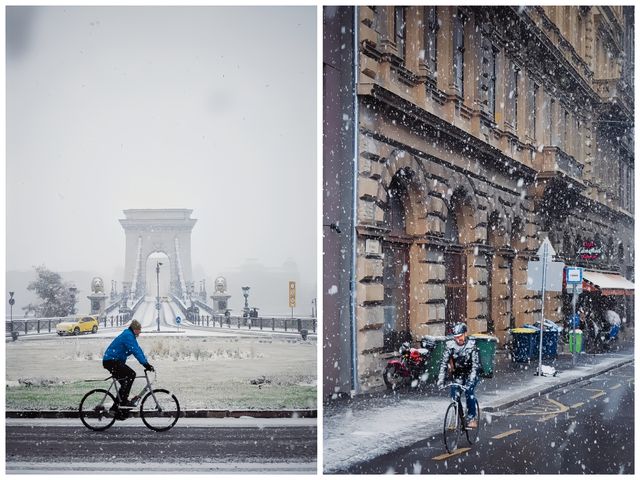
(159, 408)
(455, 420)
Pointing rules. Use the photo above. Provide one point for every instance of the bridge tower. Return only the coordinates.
(165, 231)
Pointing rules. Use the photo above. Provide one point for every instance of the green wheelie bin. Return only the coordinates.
(575, 341)
(487, 348)
(433, 366)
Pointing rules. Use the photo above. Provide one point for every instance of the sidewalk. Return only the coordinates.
(367, 426)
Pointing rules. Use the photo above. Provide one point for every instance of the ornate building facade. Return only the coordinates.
(456, 140)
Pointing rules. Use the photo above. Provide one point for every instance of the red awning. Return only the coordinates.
(607, 283)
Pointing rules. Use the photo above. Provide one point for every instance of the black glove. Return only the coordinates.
(148, 366)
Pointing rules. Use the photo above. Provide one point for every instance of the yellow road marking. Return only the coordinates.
(616, 386)
(599, 394)
(505, 434)
(546, 414)
(444, 456)
(576, 405)
(562, 408)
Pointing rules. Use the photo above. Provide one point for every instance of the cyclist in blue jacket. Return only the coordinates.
(115, 358)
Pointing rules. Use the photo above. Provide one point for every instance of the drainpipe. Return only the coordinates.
(352, 287)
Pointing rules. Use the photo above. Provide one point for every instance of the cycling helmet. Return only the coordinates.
(459, 329)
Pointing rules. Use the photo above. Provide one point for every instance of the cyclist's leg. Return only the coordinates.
(454, 390)
(471, 398)
(124, 374)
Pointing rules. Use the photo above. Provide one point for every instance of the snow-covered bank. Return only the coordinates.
(209, 371)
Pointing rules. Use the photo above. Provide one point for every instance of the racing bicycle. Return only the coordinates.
(455, 420)
(159, 408)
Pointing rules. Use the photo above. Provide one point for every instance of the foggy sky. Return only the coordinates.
(206, 108)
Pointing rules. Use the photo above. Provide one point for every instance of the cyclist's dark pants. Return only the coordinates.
(123, 374)
(471, 396)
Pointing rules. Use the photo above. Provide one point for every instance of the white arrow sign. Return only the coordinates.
(547, 248)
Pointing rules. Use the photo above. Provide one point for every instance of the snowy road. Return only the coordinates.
(586, 428)
(243, 445)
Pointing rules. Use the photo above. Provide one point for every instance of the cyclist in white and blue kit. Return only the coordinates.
(461, 354)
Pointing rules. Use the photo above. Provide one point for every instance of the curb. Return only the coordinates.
(184, 414)
(551, 388)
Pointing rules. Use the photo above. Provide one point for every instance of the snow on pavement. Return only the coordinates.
(379, 429)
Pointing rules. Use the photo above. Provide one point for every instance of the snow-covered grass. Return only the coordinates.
(203, 372)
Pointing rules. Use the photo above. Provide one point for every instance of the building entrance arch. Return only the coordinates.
(149, 231)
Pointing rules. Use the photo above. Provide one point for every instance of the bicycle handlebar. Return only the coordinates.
(456, 385)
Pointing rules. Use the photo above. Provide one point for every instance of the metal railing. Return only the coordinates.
(286, 324)
(26, 326)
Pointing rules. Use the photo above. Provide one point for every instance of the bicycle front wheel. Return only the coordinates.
(452, 427)
(473, 435)
(95, 410)
(160, 410)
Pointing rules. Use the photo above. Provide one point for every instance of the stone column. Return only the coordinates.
(98, 301)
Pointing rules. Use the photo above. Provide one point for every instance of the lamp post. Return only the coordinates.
(158, 291)
(313, 307)
(11, 302)
(245, 293)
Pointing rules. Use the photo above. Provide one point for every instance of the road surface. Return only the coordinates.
(585, 428)
(244, 445)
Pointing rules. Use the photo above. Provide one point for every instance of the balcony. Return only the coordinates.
(555, 163)
(615, 91)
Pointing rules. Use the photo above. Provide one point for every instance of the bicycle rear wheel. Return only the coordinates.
(473, 435)
(452, 427)
(160, 410)
(95, 410)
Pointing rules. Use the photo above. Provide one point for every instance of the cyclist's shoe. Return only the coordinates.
(472, 424)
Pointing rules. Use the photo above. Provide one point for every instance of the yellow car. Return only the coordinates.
(78, 326)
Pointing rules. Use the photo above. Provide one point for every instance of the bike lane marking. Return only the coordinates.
(616, 386)
(561, 409)
(458, 451)
(576, 405)
(506, 434)
(599, 394)
(544, 411)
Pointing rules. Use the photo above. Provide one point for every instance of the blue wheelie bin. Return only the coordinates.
(523, 344)
(549, 339)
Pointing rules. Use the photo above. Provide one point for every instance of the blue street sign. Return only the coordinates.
(574, 275)
(178, 320)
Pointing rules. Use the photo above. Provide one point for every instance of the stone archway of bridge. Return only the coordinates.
(166, 271)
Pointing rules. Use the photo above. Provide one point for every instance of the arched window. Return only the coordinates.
(396, 273)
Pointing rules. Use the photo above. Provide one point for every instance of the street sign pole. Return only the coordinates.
(574, 278)
(545, 259)
(574, 300)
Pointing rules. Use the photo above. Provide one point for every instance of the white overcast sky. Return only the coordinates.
(206, 108)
